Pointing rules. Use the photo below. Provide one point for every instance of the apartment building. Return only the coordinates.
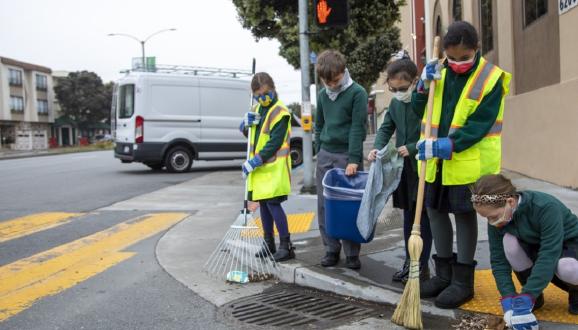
(26, 105)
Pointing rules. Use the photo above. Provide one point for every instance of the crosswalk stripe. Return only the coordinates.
(27, 280)
(33, 223)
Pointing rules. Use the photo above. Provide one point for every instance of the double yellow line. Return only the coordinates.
(27, 280)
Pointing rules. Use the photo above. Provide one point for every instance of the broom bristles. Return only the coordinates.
(408, 311)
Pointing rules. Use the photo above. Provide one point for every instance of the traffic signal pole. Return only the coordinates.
(306, 118)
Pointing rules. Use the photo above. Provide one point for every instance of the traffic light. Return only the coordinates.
(331, 13)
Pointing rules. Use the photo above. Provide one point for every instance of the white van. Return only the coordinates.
(170, 119)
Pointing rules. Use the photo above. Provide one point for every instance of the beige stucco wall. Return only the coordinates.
(569, 45)
(506, 39)
(539, 138)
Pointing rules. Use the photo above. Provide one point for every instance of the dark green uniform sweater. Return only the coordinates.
(478, 124)
(540, 219)
(340, 124)
(402, 120)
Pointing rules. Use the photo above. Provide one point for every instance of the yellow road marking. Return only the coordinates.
(487, 300)
(25, 281)
(31, 224)
(298, 223)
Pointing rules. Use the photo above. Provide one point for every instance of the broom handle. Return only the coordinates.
(246, 202)
(423, 167)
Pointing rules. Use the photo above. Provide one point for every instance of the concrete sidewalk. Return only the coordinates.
(215, 199)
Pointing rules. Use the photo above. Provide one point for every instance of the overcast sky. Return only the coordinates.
(71, 35)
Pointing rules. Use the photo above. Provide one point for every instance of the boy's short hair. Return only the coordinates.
(330, 64)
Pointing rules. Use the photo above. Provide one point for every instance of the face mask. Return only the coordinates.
(265, 100)
(404, 97)
(461, 67)
(502, 221)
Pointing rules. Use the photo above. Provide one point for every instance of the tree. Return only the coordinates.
(84, 98)
(368, 41)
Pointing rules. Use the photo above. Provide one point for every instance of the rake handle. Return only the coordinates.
(246, 201)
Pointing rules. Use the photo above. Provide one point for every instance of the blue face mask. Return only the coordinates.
(265, 99)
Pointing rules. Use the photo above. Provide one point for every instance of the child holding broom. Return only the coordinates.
(466, 143)
(401, 119)
(536, 236)
(268, 169)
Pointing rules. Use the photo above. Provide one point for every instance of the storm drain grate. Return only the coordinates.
(294, 307)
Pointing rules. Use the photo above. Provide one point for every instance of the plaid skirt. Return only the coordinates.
(448, 199)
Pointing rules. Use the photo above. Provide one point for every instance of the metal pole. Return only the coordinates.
(308, 185)
(144, 65)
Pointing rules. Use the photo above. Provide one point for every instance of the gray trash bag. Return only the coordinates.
(384, 177)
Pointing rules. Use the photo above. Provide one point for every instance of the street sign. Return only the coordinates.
(151, 63)
(331, 13)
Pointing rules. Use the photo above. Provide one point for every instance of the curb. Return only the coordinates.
(47, 154)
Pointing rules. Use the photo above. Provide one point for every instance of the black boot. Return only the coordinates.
(423, 274)
(285, 251)
(573, 300)
(523, 278)
(435, 285)
(401, 274)
(352, 262)
(330, 259)
(268, 246)
(461, 289)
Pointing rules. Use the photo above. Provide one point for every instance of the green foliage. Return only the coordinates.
(368, 40)
(84, 98)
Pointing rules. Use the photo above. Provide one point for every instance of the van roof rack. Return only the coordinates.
(198, 71)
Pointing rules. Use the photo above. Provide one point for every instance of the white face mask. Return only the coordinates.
(404, 97)
(501, 222)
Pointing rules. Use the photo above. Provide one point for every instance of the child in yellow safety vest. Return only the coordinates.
(465, 144)
(269, 167)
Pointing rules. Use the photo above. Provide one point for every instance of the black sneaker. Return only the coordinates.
(330, 259)
(401, 274)
(352, 262)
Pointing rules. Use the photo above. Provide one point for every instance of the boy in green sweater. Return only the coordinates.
(339, 133)
(536, 236)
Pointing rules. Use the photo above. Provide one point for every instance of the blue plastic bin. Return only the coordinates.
(343, 196)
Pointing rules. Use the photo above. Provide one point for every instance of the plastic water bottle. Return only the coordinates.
(238, 277)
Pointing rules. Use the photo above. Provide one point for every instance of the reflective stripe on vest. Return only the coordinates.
(480, 81)
(434, 130)
(276, 111)
(495, 130)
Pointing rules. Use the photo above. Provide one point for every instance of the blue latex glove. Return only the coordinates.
(430, 148)
(522, 316)
(250, 165)
(432, 71)
(507, 308)
(242, 126)
(251, 119)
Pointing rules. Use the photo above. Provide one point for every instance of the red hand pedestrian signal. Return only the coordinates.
(331, 13)
(323, 11)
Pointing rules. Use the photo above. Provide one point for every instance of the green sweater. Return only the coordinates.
(402, 120)
(539, 219)
(478, 124)
(340, 124)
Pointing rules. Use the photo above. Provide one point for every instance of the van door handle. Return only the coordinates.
(123, 125)
(196, 121)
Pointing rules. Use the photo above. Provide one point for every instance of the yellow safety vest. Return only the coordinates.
(484, 157)
(273, 178)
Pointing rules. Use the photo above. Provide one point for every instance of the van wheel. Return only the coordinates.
(296, 155)
(178, 160)
(155, 166)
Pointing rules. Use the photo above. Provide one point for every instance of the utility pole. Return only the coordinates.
(306, 118)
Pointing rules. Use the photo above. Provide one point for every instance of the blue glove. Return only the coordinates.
(430, 148)
(507, 308)
(432, 71)
(242, 126)
(250, 165)
(522, 316)
(251, 119)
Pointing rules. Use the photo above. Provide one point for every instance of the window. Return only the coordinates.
(534, 9)
(486, 23)
(15, 77)
(126, 106)
(457, 10)
(41, 82)
(16, 103)
(42, 106)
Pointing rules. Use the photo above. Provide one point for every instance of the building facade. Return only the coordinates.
(536, 41)
(26, 105)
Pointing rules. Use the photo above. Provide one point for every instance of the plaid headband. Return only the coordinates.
(489, 199)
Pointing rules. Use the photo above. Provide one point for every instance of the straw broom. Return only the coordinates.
(408, 311)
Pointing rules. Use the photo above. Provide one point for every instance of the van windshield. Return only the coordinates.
(126, 104)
